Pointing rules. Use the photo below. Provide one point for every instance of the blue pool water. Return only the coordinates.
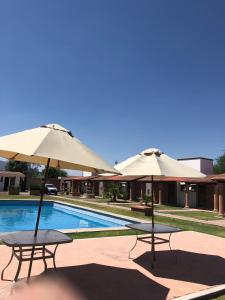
(21, 215)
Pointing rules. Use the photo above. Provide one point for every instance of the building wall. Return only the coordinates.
(207, 166)
(193, 196)
(193, 163)
(201, 164)
(2, 181)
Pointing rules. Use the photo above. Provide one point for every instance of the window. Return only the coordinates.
(1, 179)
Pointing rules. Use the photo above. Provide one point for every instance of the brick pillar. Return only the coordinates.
(160, 193)
(131, 190)
(186, 196)
(221, 198)
(142, 190)
(216, 198)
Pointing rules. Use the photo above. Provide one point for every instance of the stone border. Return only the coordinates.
(100, 212)
(206, 294)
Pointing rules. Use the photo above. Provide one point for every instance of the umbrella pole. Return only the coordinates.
(38, 218)
(153, 223)
(41, 197)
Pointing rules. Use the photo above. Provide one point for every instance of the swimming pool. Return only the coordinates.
(21, 215)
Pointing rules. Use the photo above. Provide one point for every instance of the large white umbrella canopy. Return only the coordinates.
(153, 161)
(55, 142)
(51, 145)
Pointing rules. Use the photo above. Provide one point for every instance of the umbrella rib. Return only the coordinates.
(14, 156)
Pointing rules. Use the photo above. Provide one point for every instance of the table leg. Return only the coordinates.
(54, 256)
(44, 260)
(171, 247)
(19, 265)
(31, 262)
(2, 274)
(153, 249)
(134, 245)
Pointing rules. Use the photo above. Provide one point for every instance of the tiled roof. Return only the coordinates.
(206, 179)
(79, 178)
(219, 177)
(117, 178)
(120, 178)
(11, 174)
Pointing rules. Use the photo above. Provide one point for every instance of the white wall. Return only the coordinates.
(194, 163)
(201, 164)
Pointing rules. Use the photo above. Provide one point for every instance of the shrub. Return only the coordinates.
(35, 189)
(14, 190)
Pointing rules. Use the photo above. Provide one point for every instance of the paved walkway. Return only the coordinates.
(101, 270)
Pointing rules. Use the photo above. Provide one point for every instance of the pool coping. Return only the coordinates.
(96, 211)
(74, 230)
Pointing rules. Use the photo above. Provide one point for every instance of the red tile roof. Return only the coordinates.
(219, 177)
(79, 178)
(117, 178)
(206, 179)
(120, 178)
(11, 174)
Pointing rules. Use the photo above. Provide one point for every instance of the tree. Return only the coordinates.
(219, 167)
(112, 190)
(26, 168)
(55, 172)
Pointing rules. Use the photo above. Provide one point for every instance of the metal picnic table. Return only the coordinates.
(24, 242)
(156, 229)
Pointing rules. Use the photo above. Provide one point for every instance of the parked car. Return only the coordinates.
(51, 189)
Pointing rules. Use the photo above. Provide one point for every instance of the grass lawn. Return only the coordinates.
(185, 225)
(201, 215)
(16, 197)
(166, 207)
(219, 298)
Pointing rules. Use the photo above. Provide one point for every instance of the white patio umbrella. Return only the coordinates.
(51, 145)
(152, 162)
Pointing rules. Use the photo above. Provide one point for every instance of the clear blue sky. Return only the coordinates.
(123, 75)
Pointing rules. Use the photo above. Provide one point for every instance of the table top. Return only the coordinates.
(158, 228)
(26, 238)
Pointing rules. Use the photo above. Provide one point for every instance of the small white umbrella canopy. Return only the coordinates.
(153, 161)
(55, 142)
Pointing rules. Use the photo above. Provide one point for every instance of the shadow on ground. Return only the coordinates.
(190, 267)
(100, 282)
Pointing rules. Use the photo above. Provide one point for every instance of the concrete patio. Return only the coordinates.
(100, 268)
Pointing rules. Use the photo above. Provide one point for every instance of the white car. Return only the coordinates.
(51, 189)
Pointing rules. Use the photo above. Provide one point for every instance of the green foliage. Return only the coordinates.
(219, 167)
(35, 187)
(14, 190)
(55, 172)
(112, 190)
(147, 199)
(23, 167)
